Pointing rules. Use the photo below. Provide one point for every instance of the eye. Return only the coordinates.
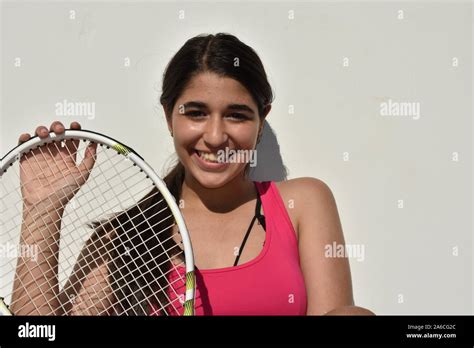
(195, 113)
(239, 116)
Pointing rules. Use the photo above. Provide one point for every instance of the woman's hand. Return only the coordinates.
(350, 310)
(50, 174)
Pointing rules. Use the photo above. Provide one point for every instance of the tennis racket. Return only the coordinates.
(88, 228)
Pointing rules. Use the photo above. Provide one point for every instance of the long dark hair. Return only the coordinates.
(222, 54)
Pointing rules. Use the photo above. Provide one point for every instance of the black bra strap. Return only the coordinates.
(261, 220)
(260, 217)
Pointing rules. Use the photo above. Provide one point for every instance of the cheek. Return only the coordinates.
(244, 137)
(186, 134)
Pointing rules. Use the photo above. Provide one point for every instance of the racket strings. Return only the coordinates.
(169, 285)
(36, 216)
(60, 197)
(79, 280)
(165, 250)
(59, 219)
(21, 267)
(104, 246)
(44, 223)
(166, 244)
(30, 233)
(134, 254)
(132, 227)
(143, 272)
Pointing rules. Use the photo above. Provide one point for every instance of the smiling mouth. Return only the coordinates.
(207, 156)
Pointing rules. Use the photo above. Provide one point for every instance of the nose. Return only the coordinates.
(215, 132)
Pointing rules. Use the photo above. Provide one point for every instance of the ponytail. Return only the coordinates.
(174, 180)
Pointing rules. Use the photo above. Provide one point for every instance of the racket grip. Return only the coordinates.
(4, 309)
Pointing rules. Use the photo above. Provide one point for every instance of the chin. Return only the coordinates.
(213, 180)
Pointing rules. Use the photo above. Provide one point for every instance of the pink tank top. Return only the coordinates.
(270, 284)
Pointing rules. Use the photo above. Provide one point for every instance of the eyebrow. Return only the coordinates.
(199, 104)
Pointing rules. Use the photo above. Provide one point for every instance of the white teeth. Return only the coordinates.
(210, 157)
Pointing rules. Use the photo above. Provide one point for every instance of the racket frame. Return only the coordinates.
(86, 135)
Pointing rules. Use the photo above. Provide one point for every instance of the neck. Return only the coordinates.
(217, 200)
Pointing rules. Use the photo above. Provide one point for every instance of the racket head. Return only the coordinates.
(10, 224)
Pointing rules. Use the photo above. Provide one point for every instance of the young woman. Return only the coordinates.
(216, 96)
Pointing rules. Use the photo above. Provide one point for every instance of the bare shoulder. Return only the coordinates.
(301, 184)
(305, 190)
(302, 196)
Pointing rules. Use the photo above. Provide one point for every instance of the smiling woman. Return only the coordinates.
(216, 96)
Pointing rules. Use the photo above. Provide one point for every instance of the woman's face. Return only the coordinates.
(213, 114)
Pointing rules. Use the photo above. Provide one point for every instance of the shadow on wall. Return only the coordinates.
(270, 165)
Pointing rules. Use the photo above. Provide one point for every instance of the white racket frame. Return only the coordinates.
(15, 154)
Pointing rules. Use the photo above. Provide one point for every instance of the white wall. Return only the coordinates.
(409, 250)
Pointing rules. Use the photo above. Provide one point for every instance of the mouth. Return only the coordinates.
(207, 156)
(208, 161)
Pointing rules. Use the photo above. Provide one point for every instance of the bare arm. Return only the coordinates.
(49, 178)
(87, 291)
(36, 284)
(327, 279)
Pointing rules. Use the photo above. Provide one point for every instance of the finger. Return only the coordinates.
(72, 145)
(75, 125)
(42, 132)
(57, 127)
(24, 138)
(88, 162)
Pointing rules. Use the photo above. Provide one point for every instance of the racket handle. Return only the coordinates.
(4, 309)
